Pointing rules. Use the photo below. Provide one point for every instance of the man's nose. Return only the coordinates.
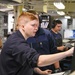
(36, 27)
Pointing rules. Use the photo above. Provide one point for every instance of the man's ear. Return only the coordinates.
(22, 26)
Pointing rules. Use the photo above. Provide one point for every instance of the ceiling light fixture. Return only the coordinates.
(60, 12)
(59, 5)
(67, 17)
(7, 8)
(23, 9)
(20, 1)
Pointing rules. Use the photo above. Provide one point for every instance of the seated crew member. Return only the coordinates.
(44, 44)
(56, 27)
(17, 58)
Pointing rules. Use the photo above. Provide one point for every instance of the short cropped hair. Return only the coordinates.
(33, 12)
(25, 17)
(55, 22)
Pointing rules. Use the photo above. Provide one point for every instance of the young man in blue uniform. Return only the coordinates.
(43, 42)
(17, 58)
(56, 27)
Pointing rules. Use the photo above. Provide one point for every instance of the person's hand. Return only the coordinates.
(41, 72)
(61, 48)
(68, 46)
(70, 52)
(58, 70)
(46, 72)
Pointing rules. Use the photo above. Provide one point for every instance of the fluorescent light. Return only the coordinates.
(67, 17)
(20, 1)
(60, 12)
(10, 6)
(5, 9)
(59, 5)
(23, 9)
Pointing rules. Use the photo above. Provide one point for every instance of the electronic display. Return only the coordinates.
(73, 60)
(45, 21)
(69, 34)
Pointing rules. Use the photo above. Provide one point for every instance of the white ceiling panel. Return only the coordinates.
(39, 4)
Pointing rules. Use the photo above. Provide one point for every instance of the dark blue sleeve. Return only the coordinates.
(23, 54)
(52, 46)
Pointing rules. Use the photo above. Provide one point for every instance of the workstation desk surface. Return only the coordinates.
(61, 73)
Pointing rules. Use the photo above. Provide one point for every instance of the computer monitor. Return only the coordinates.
(68, 72)
(45, 21)
(69, 34)
(73, 61)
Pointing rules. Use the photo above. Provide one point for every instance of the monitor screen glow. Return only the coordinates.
(69, 34)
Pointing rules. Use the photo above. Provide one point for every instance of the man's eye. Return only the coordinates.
(33, 24)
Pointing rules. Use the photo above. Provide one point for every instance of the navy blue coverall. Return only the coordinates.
(66, 63)
(57, 38)
(17, 58)
(43, 43)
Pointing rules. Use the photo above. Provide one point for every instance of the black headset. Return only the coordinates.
(55, 22)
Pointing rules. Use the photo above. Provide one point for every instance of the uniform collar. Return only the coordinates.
(40, 32)
(19, 34)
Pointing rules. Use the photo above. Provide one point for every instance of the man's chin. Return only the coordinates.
(33, 35)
